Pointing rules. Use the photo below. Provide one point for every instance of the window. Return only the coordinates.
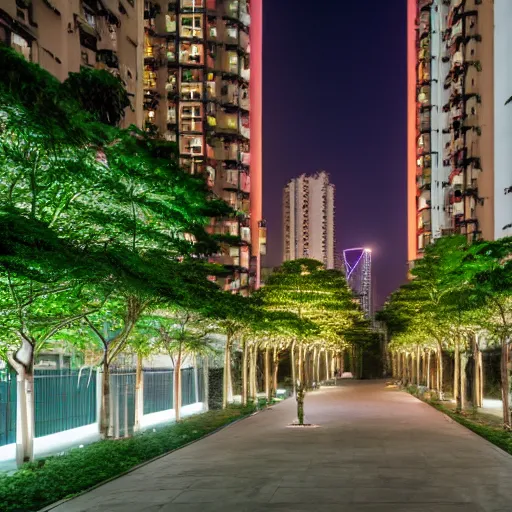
(191, 145)
(191, 75)
(170, 23)
(171, 113)
(192, 91)
(172, 83)
(192, 4)
(191, 53)
(191, 117)
(191, 26)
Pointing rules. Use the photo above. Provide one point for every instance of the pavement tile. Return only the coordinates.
(378, 450)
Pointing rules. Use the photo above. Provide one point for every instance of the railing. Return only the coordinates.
(158, 390)
(63, 399)
(67, 399)
(7, 406)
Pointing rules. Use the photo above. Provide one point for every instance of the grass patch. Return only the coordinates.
(48, 480)
(497, 435)
(485, 425)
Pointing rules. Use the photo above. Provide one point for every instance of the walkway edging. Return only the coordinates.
(449, 419)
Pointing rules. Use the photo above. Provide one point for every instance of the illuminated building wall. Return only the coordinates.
(193, 69)
(64, 35)
(452, 48)
(358, 271)
(308, 219)
(203, 90)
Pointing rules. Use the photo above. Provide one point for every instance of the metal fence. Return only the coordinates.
(66, 399)
(188, 386)
(7, 406)
(158, 390)
(63, 399)
(122, 400)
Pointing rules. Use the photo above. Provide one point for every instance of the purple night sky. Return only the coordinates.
(335, 99)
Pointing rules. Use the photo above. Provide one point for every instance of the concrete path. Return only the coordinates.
(377, 450)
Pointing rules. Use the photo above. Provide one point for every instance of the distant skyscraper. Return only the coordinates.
(308, 219)
(358, 270)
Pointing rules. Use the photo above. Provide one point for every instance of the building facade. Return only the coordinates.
(64, 35)
(458, 123)
(193, 69)
(308, 219)
(203, 89)
(358, 272)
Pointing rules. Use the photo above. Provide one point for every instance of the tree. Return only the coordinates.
(184, 334)
(319, 298)
(100, 93)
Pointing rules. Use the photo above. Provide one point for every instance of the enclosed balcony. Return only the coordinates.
(191, 54)
(424, 144)
(424, 121)
(191, 26)
(231, 9)
(424, 200)
(191, 145)
(193, 5)
(424, 95)
(229, 93)
(191, 117)
(192, 91)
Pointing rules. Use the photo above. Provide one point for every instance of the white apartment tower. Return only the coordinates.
(308, 219)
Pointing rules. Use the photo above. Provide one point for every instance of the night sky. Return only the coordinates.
(335, 99)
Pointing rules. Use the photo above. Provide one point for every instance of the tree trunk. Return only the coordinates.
(23, 363)
(268, 382)
(226, 377)
(316, 366)
(294, 372)
(505, 383)
(177, 387)
(253, 386)
(275, 371)
(327, 375)
(245, 363)
(139, 394)
(418, 366)
(105, 416)
(428, 370)
(398, 369)
(301, 388)
(477, 381)
(463, 380)
(333, 365)
(456, 378)
(440, 390)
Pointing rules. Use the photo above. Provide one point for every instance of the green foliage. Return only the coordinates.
(318, 298)
(100, 93)
(39, 484)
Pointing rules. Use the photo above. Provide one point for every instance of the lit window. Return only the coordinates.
(170, 22)
(191, 26)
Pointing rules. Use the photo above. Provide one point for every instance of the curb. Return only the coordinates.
(142, 464)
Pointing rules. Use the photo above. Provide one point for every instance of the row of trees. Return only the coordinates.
(104, 244)
(459, 302)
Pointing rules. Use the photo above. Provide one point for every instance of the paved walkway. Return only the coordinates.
(377, 450)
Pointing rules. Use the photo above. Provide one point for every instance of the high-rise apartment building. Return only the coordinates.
(193, 69)
(459, 128)
(64, 35)
(203, 89)
(358, 271)
(308, 219)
